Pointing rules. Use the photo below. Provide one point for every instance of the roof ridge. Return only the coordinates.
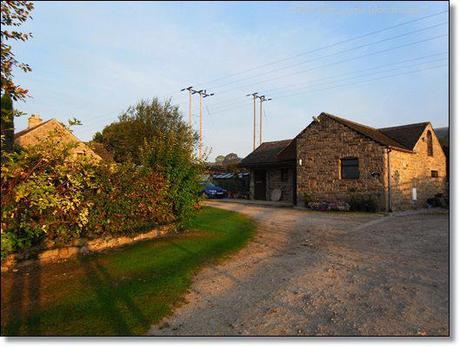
(405, 125)
(267, 142)
(349, 121)
(25, 131)
(385, 138)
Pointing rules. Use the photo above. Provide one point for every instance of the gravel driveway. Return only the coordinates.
(314, 273)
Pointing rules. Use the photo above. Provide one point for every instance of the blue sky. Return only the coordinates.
(93, 60)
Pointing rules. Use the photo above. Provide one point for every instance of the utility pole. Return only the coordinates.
(254, 98)
(190, 92)
(203, 95)
(262, 99)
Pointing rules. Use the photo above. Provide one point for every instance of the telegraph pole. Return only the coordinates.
(262, 99)
(254, 98)
(203, 95)
(190, 92)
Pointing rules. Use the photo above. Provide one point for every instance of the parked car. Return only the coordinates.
(211, 191)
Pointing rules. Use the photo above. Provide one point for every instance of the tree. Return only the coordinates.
(7, 122)
(147, 122)
(13, 14)
(220, 158)
(98, 137)
(231, 157)
(153, 135)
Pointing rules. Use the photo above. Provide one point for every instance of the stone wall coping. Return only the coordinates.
(50, 253)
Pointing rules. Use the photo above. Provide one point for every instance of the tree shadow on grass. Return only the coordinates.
(23, 305)
(111, 298)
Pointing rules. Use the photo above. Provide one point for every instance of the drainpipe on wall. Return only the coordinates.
(389, 179)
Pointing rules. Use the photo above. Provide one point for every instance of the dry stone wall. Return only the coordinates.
(321, 147)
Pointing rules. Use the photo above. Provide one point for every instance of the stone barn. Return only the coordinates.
(333, 159)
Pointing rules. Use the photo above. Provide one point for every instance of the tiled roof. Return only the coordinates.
(266, 153)
(407, 135)
(25, 131)
(289, 152)
(402, 138)
(374, 134)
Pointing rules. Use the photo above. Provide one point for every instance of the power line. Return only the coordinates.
(370, 80)
(326, 46)
(353, 73)
(333, 63)
(375, 72)
(339, 86)
(333, 54)
(367, 69)
(357, 74)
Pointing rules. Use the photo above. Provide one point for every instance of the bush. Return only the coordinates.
(128, 199)
(363, 203)
(50, 194)
(153, 135)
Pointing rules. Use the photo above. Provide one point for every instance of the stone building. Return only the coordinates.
(273, 171)
(334, 159)
(37, 130)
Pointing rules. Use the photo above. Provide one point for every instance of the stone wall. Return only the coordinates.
(50, 253)
(274, 181)
(321, 146)
(414, 171)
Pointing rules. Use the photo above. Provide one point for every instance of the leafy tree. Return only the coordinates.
(153, 134)
(98, 137)
(7, 122)
(13, 14)
(231, 156)
(220, 158)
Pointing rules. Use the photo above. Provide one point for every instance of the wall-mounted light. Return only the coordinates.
(300, 162)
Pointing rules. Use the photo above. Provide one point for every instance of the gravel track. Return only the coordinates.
(315, 273)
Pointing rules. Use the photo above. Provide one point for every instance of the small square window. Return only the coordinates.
(434, 173)
(349, 168)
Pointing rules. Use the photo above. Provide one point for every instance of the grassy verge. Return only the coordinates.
(121, 292)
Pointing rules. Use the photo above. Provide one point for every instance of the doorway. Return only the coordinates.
(260, 185)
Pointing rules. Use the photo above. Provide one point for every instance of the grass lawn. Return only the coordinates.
(121, 292)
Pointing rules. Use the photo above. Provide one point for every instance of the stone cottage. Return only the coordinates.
(333, 159)
(37, 130)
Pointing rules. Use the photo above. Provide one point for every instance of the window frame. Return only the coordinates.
(342, 167)
(434, 174)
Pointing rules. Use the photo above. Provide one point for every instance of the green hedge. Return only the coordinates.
(50, 194)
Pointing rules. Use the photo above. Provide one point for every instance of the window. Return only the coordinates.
(284, 175)
(429, 143)
(434, 173)
(349, 168)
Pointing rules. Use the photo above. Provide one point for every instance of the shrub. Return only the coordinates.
(154, 135)
(50, 194)
(307, 198)
(128, 199)
(364, 203)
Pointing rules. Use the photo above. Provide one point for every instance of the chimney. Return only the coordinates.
(34, 120)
